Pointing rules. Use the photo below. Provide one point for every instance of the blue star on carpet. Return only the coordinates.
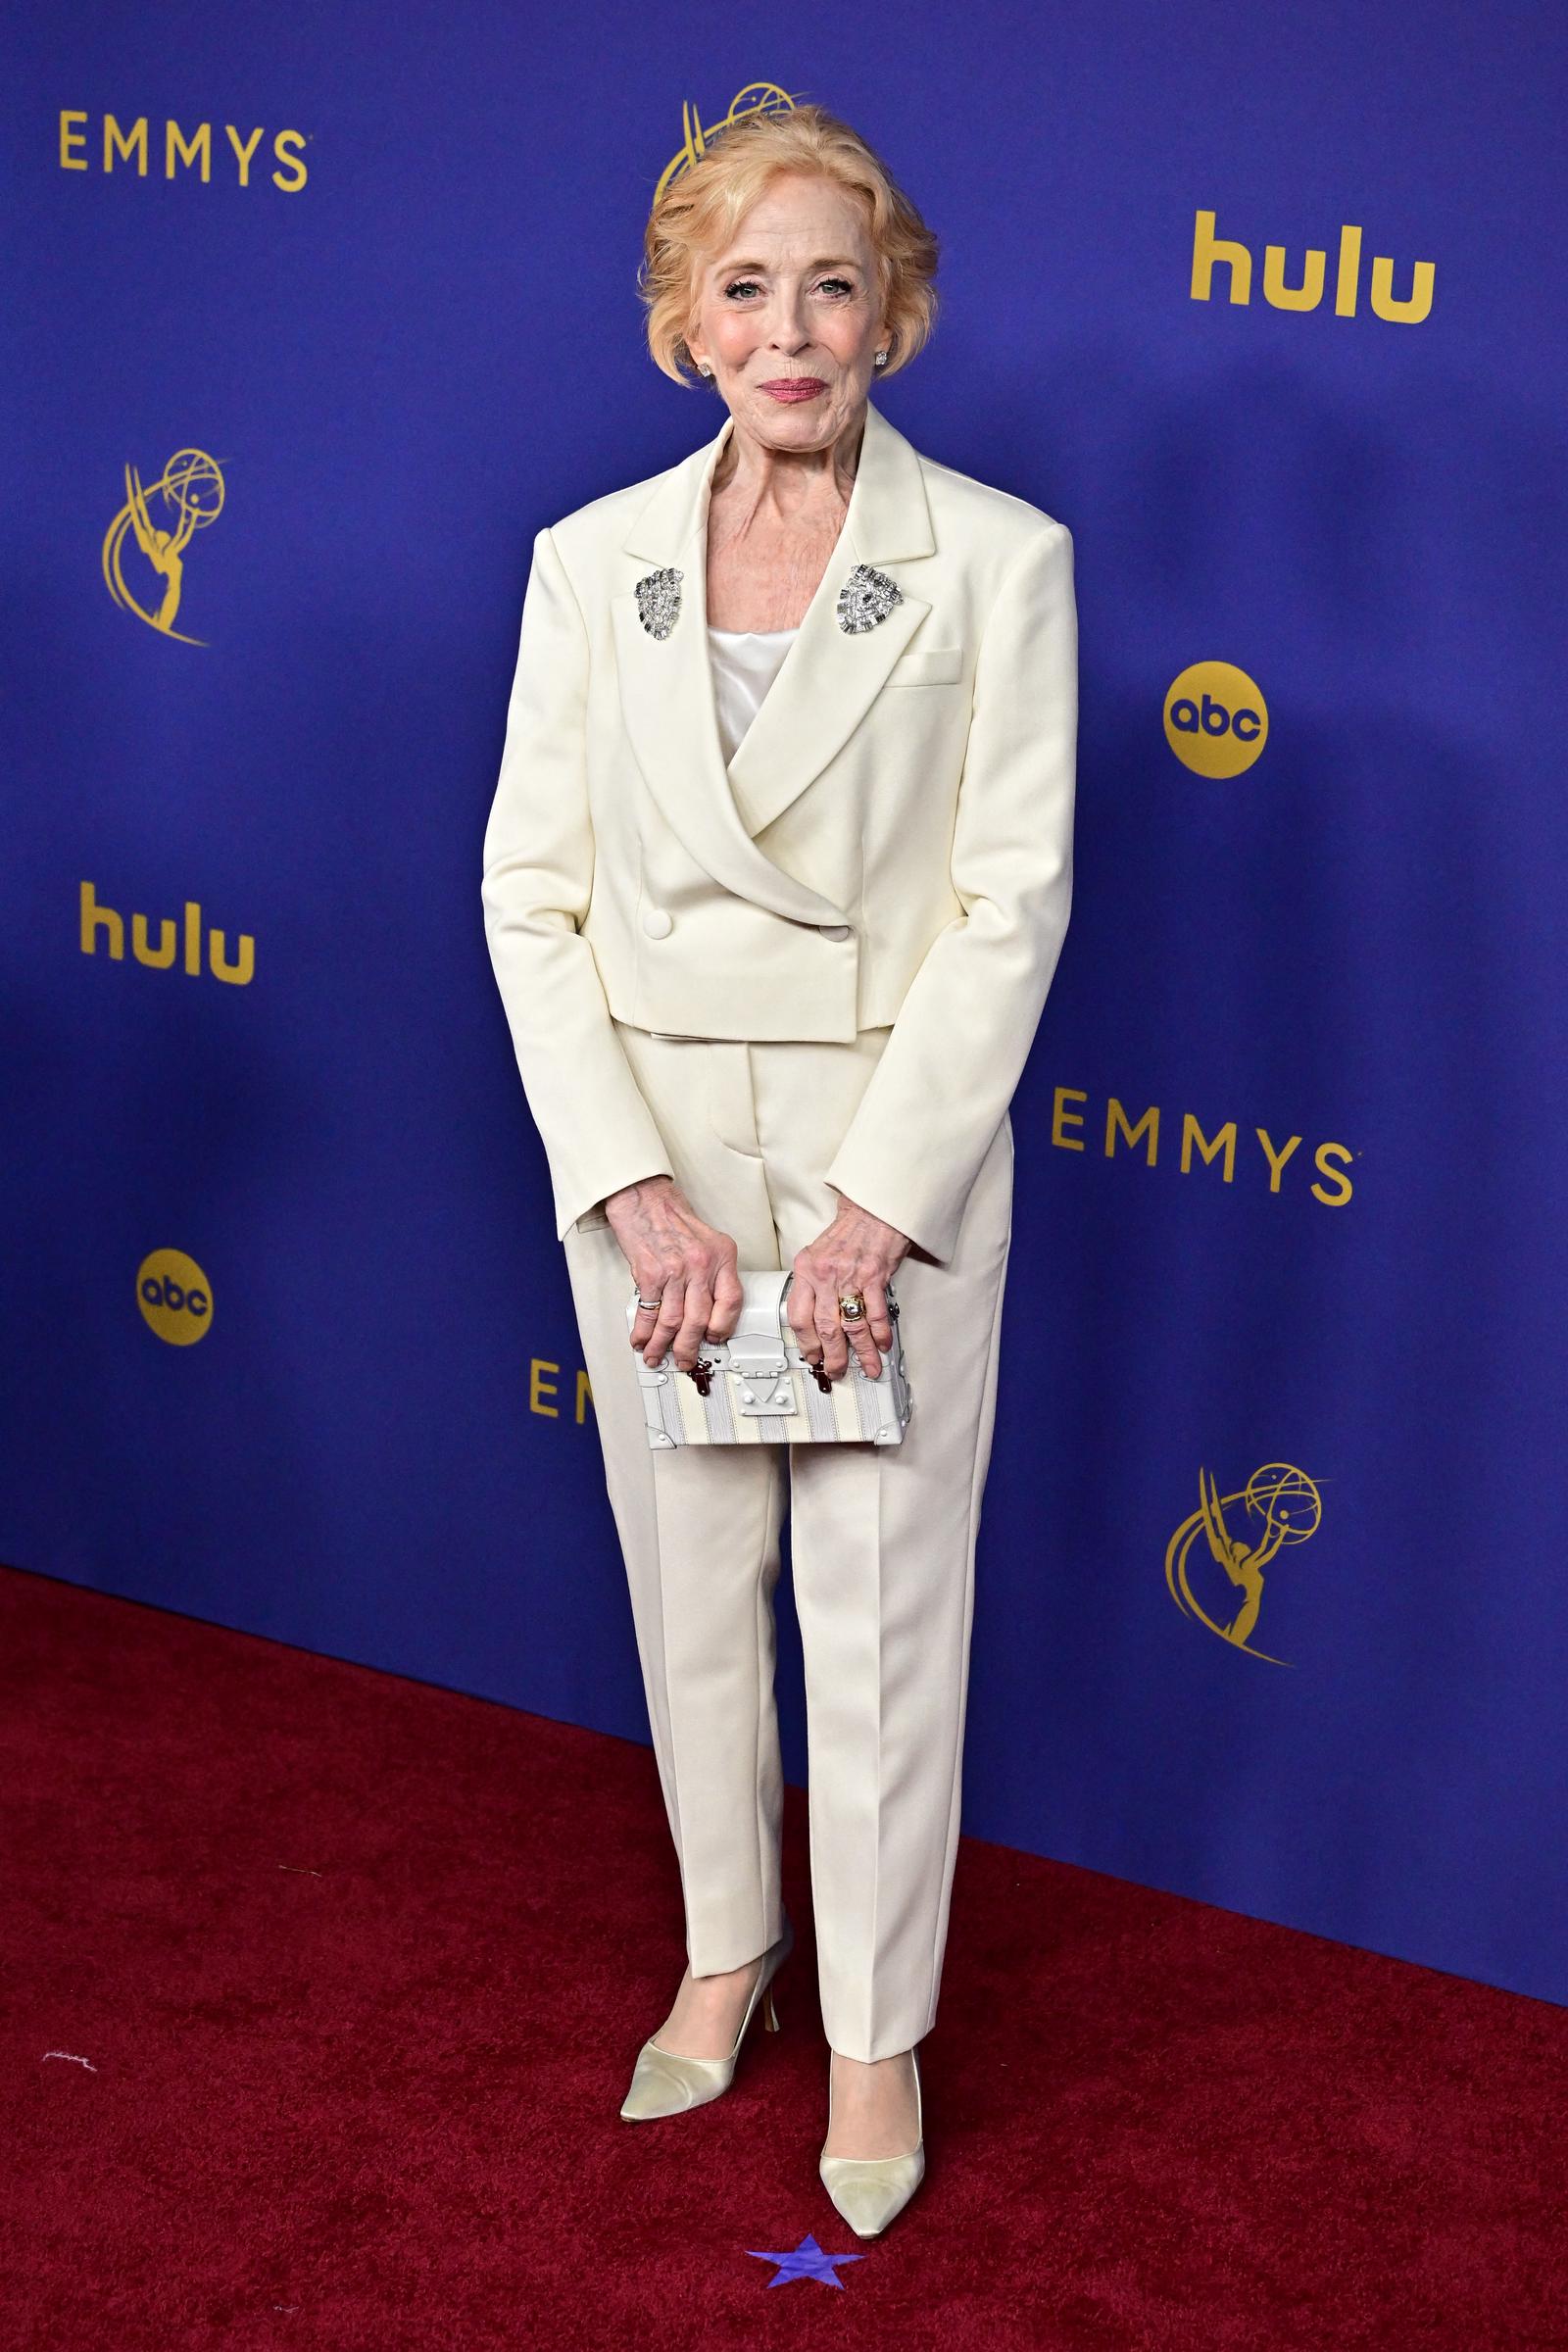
(807, 2261)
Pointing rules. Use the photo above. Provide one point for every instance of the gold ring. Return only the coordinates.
(852, 1307)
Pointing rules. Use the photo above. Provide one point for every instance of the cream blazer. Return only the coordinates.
(891, 846)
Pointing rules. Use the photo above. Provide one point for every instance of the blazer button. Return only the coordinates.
(658, 922)
(834, 930)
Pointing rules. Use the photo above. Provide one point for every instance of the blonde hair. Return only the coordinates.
(700, 209)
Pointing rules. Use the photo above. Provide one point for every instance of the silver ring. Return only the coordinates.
(650, 1303)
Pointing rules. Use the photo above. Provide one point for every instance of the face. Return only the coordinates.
(789, 313)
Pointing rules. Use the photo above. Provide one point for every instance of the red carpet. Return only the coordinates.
(359, 1967)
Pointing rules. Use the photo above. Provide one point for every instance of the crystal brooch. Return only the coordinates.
(866, 597)
(658, 601)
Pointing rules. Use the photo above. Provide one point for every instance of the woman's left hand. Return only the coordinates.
(857, 1252)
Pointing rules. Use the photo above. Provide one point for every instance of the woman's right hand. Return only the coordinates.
(690, 1267)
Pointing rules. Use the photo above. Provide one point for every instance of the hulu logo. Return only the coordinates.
(1408, 310)
(96, 919)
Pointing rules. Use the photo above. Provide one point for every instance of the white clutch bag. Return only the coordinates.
(757, 1389)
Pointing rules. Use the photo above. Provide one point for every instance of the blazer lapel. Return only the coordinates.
(826, 684)
(829, 678)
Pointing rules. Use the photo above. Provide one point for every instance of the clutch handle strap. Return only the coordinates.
(756, 1348)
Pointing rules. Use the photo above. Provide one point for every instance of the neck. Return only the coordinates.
(789, 479)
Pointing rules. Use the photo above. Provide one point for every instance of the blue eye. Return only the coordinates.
(741, 285)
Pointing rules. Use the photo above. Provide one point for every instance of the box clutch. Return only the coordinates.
(757, 1389)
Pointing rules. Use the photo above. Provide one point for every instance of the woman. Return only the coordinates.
(775, 882)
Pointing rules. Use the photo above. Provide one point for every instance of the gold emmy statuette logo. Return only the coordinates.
(175, 1298)
(1211, 250)
(191, 487)
(758, 98)
(1217, 722)
(1291, 1508)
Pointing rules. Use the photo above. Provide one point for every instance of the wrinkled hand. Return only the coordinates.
(857, 1252)
(690, 1266)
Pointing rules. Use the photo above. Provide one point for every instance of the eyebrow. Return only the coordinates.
(829, 261)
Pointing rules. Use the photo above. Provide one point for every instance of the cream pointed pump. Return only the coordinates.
(870, 2190)
(664, 2082)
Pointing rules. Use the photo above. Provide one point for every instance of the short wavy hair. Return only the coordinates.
(700, 209)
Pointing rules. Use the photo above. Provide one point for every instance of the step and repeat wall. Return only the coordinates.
(314, 319)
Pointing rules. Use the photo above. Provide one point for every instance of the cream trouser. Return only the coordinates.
(882, 1545)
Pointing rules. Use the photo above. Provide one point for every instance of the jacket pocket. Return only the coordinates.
(937, 666)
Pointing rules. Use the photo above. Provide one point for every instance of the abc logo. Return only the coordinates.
(175, 1296)
(1217, 722)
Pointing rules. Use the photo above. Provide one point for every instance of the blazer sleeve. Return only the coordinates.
(957, 1046)
(598, 1131)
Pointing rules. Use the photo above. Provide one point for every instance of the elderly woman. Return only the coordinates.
(775, 882)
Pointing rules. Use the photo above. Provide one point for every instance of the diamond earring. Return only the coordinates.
(881, 358)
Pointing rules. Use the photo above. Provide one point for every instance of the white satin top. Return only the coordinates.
(745, 664)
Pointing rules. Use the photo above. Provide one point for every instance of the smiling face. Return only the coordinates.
(789, 313)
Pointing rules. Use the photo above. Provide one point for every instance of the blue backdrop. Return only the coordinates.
(288, 1338)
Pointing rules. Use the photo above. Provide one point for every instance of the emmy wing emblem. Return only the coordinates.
(866, 597)
(658, 601)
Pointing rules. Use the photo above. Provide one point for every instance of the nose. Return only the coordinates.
(791, 328)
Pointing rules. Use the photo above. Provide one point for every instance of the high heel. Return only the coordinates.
(664, 2082)
(870, 2190)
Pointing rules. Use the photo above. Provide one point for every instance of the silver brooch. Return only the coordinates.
(659, 600)
(866, 597)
